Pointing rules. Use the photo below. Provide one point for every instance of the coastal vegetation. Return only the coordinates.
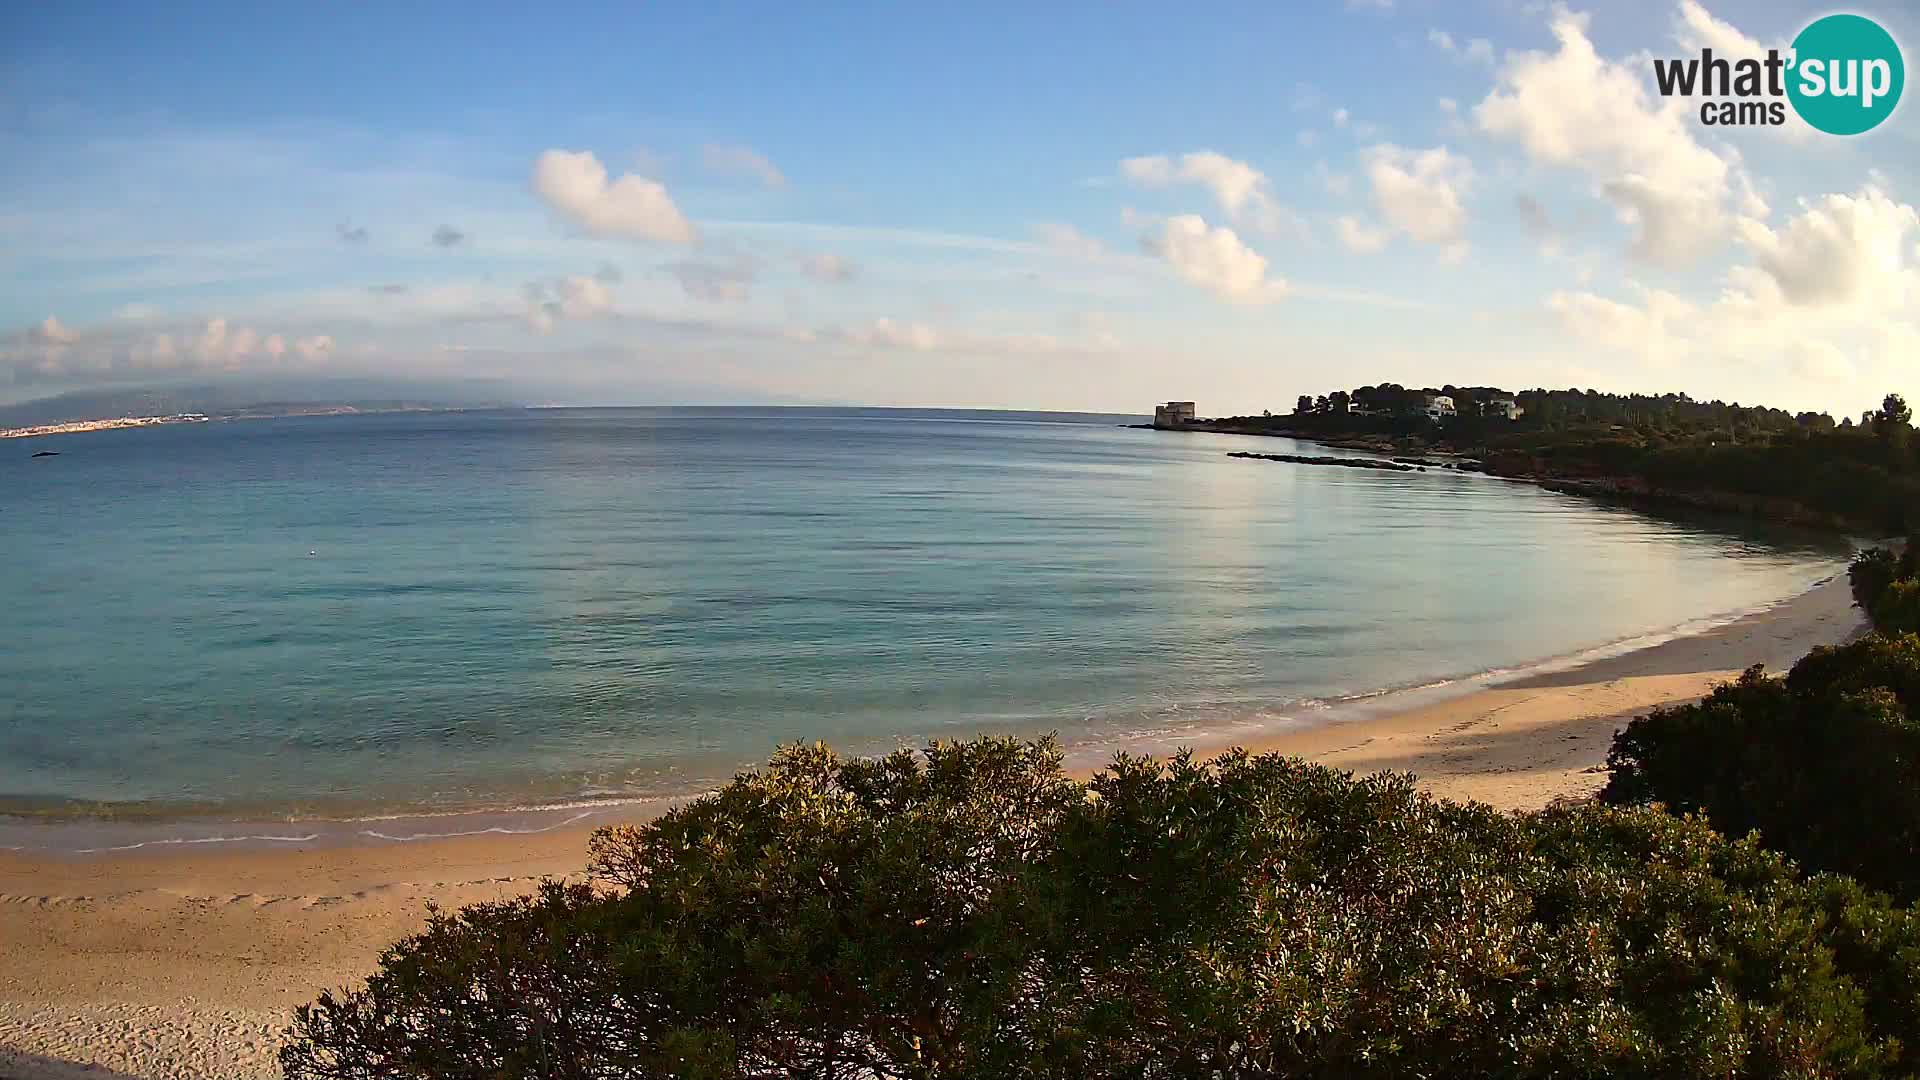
(1823, 765)
(971, 911)
(1802, 467)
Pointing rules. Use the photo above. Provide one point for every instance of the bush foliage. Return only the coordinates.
(1886, 586)
(970, 911)
(1825, 764)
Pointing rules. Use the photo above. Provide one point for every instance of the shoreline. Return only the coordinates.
(186, 960)
(125, 828)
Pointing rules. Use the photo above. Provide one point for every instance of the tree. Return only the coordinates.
(968, 911)
(1339, 401)
(1304, 405)
(1894, 423)
(1320, 404)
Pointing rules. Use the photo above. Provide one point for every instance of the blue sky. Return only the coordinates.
(1032, 206)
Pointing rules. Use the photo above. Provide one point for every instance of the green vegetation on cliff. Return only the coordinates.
(1790, 467)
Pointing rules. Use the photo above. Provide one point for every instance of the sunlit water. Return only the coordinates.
(347, 615)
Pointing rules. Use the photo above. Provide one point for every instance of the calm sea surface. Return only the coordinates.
(351, 615)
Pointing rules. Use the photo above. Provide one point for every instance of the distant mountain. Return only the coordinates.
(278, 397)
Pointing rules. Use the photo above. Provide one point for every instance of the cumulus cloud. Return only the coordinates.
(1837, 283)
(317, 347)
(52, 352)
(1841, 249)
(575, 296)
(741, 161)
(1696, 28)
(575, 185)
(1421, 192)
(1239, 189)
(1474, 50)
(1575, 108)
(1067, 240)
(1214, 258)
(715, 281)
(828, 268)
(1358, 237)
(447, 236)
(887, 333)
(53, 332)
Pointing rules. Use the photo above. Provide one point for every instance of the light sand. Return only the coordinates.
(187, 965)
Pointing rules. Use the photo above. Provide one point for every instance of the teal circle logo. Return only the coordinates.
(1847, 74)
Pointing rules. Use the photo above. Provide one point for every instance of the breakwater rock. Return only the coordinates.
(1346, 463)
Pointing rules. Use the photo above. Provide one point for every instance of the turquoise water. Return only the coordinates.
(350, 615)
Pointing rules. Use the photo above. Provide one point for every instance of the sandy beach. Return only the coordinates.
(186, 962)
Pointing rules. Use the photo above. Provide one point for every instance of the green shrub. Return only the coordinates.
(1897, 609)
(969, 911)
(1824, 764)
(1887, 587)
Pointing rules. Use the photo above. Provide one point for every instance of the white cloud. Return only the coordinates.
(1473, 50)
(575, 185)
(886, 333)
(1067, 240)
(119, 349)
(51, 332)
(1841, 249)
(575, 296)
(314, 348)
(832, 269)
(1420, 192)
(1240, 189)
(1831, 292)
(1696, 28)
(1574, 108)
(1341, 117)
(1358, 237)
(741, 161)
(1213, 258)
(715, 282)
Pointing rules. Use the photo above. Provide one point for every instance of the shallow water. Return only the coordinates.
(352, 615)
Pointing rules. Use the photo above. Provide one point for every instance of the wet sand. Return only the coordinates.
(186, 961)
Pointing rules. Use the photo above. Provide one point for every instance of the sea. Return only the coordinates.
(357, 617)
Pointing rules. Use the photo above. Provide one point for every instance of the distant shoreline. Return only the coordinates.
(75, 427)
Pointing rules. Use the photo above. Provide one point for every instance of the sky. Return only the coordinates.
(1055, 206)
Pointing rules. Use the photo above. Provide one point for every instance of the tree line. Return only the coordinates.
(1804, 466)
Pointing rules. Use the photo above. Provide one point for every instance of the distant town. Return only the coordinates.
(75, 426)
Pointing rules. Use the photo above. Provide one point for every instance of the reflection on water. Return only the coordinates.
(513, 607)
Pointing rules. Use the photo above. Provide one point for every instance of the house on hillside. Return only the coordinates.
(1504, 407)
(1437, 407)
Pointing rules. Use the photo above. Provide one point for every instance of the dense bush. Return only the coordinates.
(1886, 586)
(1825, 764)
(971, 912)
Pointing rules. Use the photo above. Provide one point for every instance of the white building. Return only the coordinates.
(1503, 407)
(1438, 406)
